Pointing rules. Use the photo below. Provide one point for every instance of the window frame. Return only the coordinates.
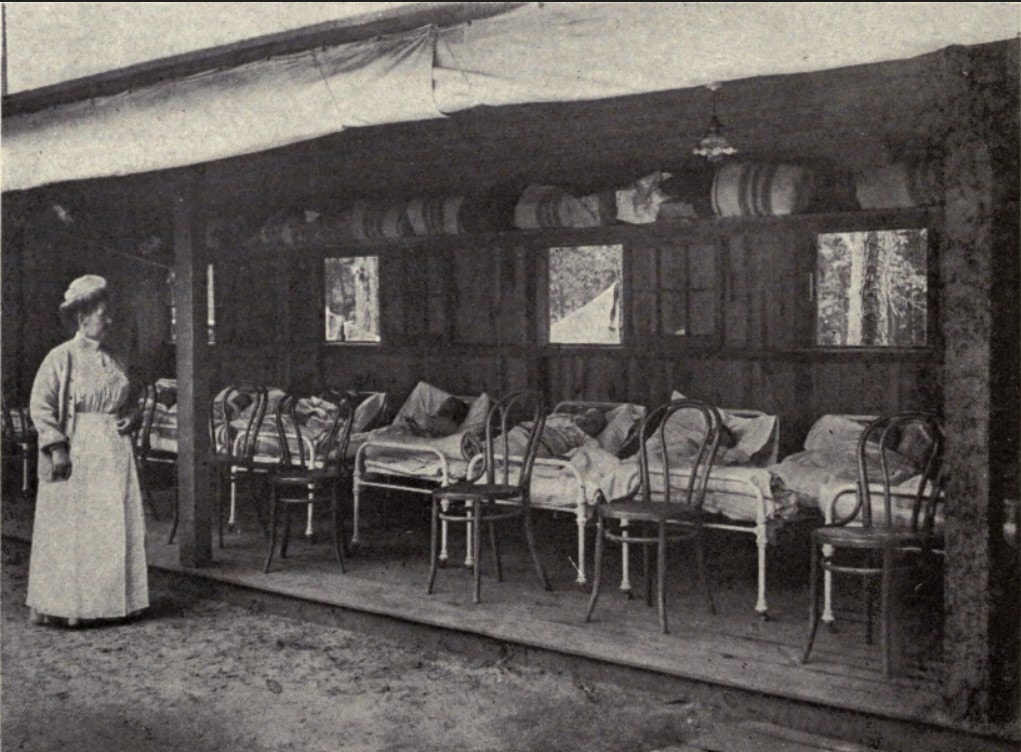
(212, 306)
(542, 319)
(323, 302)
(890, 221)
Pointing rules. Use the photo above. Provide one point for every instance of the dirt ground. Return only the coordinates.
(196, 675)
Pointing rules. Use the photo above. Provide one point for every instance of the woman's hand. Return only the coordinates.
(125, 425)
(60, 464)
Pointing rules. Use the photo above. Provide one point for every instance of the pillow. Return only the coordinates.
(424, 400)
(753, 435)
(368, 411)
(834, 433)
(620, 422)
(475, 421)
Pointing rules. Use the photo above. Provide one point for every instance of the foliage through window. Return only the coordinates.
(352, 299)
(873, 288)
(585, 294)
(210, 306)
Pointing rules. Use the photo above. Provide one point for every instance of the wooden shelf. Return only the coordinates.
(926, 216)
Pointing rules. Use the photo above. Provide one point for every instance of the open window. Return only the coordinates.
(872, 289)
(586, 294)
(352, 299)
(210, 305)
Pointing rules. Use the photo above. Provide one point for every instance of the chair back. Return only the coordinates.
(656, 433)
(522, 410)
(330, 445)
(227, 437)
(889, 430)
(147, 396)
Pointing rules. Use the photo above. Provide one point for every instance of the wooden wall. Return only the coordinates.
(468, 315)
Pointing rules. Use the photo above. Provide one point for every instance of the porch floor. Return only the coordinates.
(387, 576)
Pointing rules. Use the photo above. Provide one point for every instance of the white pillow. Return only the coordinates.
(834, 433)
(751, 434)
(367, 411)
(619, 422)
(475, 421)
(424, 400)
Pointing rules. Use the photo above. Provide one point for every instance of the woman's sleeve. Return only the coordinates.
(44, 404)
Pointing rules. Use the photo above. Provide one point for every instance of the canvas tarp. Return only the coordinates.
(539, 52)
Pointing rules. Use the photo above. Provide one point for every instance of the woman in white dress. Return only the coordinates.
(88, 539)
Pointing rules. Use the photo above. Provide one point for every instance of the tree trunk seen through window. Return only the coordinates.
(872, 289)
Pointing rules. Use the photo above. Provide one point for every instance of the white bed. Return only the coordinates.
(743, 495)
(824, 475)
(569, 483)
(393, 458)
(163, 430)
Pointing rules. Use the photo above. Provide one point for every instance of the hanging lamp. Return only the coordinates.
(714, 145)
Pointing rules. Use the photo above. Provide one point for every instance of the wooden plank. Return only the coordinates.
(391, 299)
(703, 290)
(193, 479)
(735, 302)
(438, 280)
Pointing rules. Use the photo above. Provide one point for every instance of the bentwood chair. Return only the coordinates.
(20, 443)
(502, 494)
(310, 471)
(667, 505)
(859, 544)
(235, 418)
(148, 460)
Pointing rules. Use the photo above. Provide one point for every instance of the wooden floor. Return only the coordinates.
(387, 576)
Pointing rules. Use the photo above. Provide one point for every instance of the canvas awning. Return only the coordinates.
(540, 52)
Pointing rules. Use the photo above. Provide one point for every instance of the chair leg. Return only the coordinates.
(219, 504)
(866, 585)
(434, 559)
(885, 620)
(272, 528)
(176, 517)
(530, 538)
(647, 569)
(597, 568)
(338, 532)
(813, 601)
(661, 576)
(703, 575)
(477, 550)
(494, 544)
(287, 531)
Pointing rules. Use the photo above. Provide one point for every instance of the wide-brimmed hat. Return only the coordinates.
(83, 290)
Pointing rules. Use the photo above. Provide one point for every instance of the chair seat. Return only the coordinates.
(470, 491)
(849, 536)
(643, 511)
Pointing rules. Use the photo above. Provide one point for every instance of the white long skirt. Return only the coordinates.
(88, 539)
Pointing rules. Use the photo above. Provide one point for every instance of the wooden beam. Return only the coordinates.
(193, 486)
(975, 647)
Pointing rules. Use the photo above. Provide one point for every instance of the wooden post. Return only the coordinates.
(193, 487)
(976, 648)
